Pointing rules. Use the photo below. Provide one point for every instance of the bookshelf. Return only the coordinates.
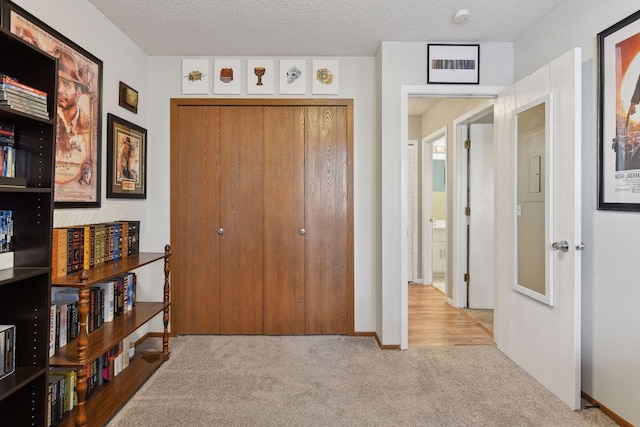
(24, 287)
(110, 397)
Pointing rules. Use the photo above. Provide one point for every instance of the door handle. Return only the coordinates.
(220, 230)
(303, 231)
(561, 246)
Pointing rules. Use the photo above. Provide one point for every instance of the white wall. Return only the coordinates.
(122, 61)
(405, 64)
(610, 291)
(357, 81)
(157, 80)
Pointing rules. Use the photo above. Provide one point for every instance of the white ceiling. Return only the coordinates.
(312, 27)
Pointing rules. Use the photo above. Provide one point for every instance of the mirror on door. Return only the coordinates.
(534, 255)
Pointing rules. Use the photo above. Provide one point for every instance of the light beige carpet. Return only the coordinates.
(341, 381)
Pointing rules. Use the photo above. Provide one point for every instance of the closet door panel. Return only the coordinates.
(326, 199)
(241, 220)
(283, 204)
(194, 218)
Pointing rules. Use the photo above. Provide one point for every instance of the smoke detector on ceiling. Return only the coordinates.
(461, 16)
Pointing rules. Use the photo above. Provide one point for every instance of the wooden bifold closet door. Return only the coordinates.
(262, 242)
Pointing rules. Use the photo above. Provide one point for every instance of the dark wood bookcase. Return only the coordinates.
(25, 288)
(108, 398)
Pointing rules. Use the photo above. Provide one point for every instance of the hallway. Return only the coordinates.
(433, 322)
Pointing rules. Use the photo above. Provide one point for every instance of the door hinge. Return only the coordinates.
(466, 277)
(467, 211)
(467, 144)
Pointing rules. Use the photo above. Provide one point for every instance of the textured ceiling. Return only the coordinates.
(311, 27)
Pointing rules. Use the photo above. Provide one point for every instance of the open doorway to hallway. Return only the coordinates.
(448, 124)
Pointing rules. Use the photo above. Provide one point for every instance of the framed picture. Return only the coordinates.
(226, 76)
(619, 116)
(325, 77)
(260, 76)
(293, 77)
(128, 98)
(195, 76)
(453, 64)
(78, 113)
(126, 159)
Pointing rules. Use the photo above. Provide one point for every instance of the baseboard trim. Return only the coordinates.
(615, 417)
(148, 335)
(387, 346)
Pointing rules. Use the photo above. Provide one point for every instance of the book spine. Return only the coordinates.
(52, 331)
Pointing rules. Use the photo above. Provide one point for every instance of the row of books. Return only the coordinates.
(107, 301)
(63, 396)
(23, 98)
(7, 150)
(6, 231)
(7, 350)
(83, 247)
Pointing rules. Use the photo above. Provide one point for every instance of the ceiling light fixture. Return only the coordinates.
(461, 16)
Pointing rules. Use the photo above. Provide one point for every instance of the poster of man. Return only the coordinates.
(128, 161)
(77, 113)
(627, 141)
(619, 149)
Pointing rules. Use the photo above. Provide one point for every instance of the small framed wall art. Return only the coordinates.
(126, 159)
(226, 76)
(293, 76)
(195, 76)
(325, 77)
(453, 64)
(128, 98)
(260, 76)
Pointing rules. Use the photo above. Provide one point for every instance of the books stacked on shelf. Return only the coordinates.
(107, 301)
(6, 239)
(7, 350)
(86, 246)
(62, 390)
(62, 381)
(7, 150)
(23, 98)
(6, 231)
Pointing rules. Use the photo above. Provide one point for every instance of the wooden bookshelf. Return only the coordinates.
(101, 340)
(109, 397)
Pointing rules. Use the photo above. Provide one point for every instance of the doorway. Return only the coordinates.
(445, 225)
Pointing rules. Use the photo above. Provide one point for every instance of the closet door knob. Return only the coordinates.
(303, 231)
(220, 230)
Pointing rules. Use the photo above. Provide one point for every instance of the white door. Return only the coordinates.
(481, 238)
(543, 339)
(427, 212)
(412, 188)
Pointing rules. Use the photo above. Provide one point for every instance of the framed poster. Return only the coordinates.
(78, 113)
(619, 116)
(453, 64)
(126, 159)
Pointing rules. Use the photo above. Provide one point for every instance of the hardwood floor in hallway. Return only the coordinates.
(433, 322)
